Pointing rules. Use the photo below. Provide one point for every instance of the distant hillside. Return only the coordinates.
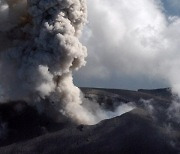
(164, 92)
(163, 96)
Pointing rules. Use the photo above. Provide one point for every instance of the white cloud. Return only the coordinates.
(131, 38)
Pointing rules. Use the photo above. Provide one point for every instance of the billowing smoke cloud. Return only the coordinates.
(131, 38)
(39, 49)
(126, 38)
(43, 46)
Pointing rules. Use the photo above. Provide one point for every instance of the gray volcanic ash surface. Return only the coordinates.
(145, 129)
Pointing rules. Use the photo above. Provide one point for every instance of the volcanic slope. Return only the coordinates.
(23, 130)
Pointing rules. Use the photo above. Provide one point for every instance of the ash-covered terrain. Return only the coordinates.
(148, 128)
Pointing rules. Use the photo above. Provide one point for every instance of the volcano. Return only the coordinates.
(24, 130)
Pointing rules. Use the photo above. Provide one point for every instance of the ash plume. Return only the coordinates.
(39, 49)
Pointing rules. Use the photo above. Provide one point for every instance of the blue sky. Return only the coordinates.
(131, 45)
(172, 7)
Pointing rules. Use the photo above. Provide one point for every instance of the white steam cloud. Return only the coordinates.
(131, 38)
(39, 49)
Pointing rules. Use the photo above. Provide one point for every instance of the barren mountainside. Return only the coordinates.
(24, 130)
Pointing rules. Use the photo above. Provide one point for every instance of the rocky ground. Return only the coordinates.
(146, 129)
